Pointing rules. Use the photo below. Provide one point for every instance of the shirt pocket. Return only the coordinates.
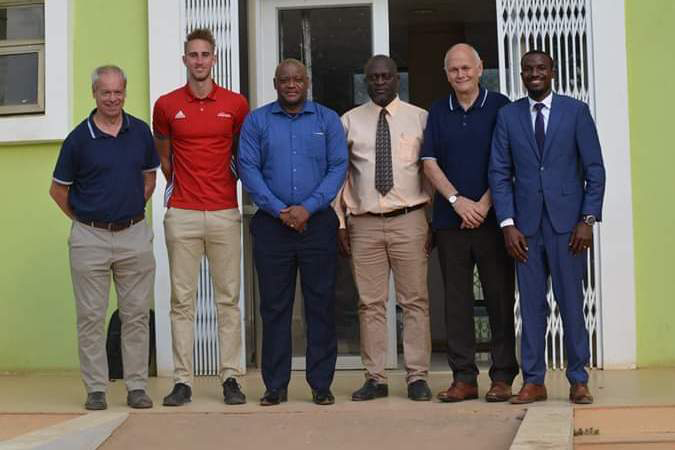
(315, 146)
(409, 148)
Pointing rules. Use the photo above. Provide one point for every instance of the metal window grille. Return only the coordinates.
(222, 18)
(562, 28)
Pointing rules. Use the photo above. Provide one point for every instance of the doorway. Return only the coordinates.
(334, 38)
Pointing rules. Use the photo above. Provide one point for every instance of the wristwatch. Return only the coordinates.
(453, 199)
(589, 219)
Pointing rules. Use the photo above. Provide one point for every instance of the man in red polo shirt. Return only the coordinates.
(196, 129)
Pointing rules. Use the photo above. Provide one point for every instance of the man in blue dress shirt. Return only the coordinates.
(292, 161)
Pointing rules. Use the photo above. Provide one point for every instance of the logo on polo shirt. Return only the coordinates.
(180, 115)
(224, 114)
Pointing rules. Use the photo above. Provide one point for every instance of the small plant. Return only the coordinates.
(586, 431)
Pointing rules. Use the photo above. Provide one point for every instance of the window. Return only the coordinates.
(22, 45)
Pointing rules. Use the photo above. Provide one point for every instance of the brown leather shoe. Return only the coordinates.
(500, 391)
(580, 394)
(459, 391)
(530, 393)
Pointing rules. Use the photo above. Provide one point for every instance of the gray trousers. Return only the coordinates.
(95, 255)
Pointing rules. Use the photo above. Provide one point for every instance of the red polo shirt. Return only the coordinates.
(201, 133)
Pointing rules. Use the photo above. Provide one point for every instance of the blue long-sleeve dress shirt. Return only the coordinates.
(289, 159)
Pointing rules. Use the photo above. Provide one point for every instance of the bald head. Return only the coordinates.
(291, 84)
(290, 62)
(461, 49)
(463, 68)
(385, 60)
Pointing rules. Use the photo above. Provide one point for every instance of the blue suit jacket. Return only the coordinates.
(569, 180)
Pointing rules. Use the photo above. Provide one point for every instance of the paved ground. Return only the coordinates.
(12, 425)
(412, 428)
(394, 422)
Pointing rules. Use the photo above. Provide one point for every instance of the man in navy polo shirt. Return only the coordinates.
(456, 154)
(104, 175)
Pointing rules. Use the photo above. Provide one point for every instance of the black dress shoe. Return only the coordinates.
(95, 401)
(273, 397)
(323, 397)
(419, 391)
(232, 392)
(370, 390)
(180, 395)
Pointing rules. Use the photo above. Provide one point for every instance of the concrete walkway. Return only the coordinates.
(394, 422)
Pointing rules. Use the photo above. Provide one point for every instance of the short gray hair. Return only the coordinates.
(461, 44)
(108, 68)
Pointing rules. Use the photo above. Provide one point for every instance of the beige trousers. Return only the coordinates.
(95, 254)
(190, 235)
(379, 245)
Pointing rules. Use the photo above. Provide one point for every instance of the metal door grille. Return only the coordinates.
(222, 18)
(563, 29)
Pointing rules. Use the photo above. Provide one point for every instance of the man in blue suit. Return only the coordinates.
(548, 180)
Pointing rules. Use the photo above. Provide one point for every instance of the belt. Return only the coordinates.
(398, 212)
(113, 226)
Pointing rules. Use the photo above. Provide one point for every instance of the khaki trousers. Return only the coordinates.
(190, 235)
(379, 245)
(95, 254)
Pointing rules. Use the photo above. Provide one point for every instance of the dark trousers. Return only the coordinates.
(279, 252)
(458, 251)
(549, 254)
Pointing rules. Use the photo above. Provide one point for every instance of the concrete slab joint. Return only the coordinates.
(545, 427)
(84, 433)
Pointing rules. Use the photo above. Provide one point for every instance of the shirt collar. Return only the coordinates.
(391, 108)
(190, 97)
(94, 131)
(309, 107)
(478, 103)
(547, 101)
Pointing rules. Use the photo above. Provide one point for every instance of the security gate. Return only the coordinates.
(562, 28)
(222, 18)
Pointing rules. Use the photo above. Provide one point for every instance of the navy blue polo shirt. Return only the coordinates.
(105, 173)
(460, 143)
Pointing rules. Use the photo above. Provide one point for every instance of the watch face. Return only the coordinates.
(590, 220)
(452, 199)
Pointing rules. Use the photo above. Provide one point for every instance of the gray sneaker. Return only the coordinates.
(95, 401)
(138, 399)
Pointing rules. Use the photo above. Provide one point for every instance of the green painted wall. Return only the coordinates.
(37, 323)
(650, 34)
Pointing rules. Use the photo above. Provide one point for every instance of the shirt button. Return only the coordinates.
(295, 170)
(541, 169)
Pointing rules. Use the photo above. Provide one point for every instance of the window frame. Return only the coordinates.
(53, 123)
(39, 105)
(26, 46)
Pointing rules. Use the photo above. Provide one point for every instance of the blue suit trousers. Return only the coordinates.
(549, 254)
(279, 253)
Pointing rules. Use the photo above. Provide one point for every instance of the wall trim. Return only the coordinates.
(616, 249)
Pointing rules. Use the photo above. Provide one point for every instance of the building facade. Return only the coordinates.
(611, 53)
